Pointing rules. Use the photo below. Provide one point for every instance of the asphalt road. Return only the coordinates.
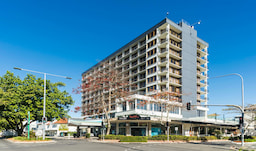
(84, 145)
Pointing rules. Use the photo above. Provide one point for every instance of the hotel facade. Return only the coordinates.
(167, 57)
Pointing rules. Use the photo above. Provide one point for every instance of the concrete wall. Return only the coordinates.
(189, 68)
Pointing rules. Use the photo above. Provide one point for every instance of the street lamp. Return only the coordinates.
(242, 89)
(44, 118)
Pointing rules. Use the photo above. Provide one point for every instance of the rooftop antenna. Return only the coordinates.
(196, 23)
(167, 13)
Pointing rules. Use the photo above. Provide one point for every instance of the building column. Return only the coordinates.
(206, 131)
(78, 131)
(149, 128)
(117, 128)
(88, 130)
(186, 129)
(128, 132)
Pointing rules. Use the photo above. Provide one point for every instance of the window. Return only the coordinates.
(134, 55)
(142, 59)
(126, 59)
(151, 43)
(120, 56)
(152, 79)
(131, 105)
(200, 113)
(151, 70)
(151, 52)
(134, 63)
(151, 61)
(152, 34)
(157, 107)
(142, 84)
(124, 106)
(141, 104)
(142, 76)
(151, 88)
(142, 68)
(134, 47)
(142, 51)
(126, 52)
(174, 110)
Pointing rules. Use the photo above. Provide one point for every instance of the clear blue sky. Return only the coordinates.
(68, 37)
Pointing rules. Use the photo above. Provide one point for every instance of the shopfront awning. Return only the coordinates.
(84, 122)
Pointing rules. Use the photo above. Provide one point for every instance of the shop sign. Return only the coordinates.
(134, 117)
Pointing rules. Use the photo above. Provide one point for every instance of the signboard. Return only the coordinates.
(134, 117)
(176, 128)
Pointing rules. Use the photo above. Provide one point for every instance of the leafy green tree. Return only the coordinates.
(17, 97)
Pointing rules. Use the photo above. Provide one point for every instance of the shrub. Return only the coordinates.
(211, 137)
(193, 138)
(158, 137)
(72, 133)
(20, 138)
(179, 137)
(88, 135)
(111, 136)
(133, 139)
(250, 140)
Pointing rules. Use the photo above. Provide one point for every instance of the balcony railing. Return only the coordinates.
(163, 50)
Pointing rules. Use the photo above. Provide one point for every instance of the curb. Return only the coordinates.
(29, 142)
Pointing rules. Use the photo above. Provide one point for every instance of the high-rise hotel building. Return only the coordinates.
(167, 57)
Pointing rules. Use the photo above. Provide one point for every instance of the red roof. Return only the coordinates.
(62, 121)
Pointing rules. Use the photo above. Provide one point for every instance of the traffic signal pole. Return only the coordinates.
(236, 106)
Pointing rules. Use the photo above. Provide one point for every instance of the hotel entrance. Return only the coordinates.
(138, 131)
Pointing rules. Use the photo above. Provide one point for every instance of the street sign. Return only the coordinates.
(176, 128)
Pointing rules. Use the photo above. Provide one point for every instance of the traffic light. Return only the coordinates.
(241, 120)
(44, 119)
(188, 106)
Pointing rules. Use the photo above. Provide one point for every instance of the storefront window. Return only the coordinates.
(122, 124)
(133, 124)
(141, 104)
(132, 105)
(122, 131)
(174, 110)
(157, 107)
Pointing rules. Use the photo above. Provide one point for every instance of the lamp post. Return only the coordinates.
(242, 89)
(44, 118)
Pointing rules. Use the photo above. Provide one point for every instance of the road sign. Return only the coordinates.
(176, 128)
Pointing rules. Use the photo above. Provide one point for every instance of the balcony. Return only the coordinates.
(175, 36)
(163, 81)
(163, 71)
(175, 45)
(201, 83)
(201, 67)
(202, 92)
(163, 52)
(202, 60)
(175, 65)
(163, 33)
(163, 62)
(175, 82)
(201, 74)
(163, 43)
(176, 74)
(174, 54)
(202, 51)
